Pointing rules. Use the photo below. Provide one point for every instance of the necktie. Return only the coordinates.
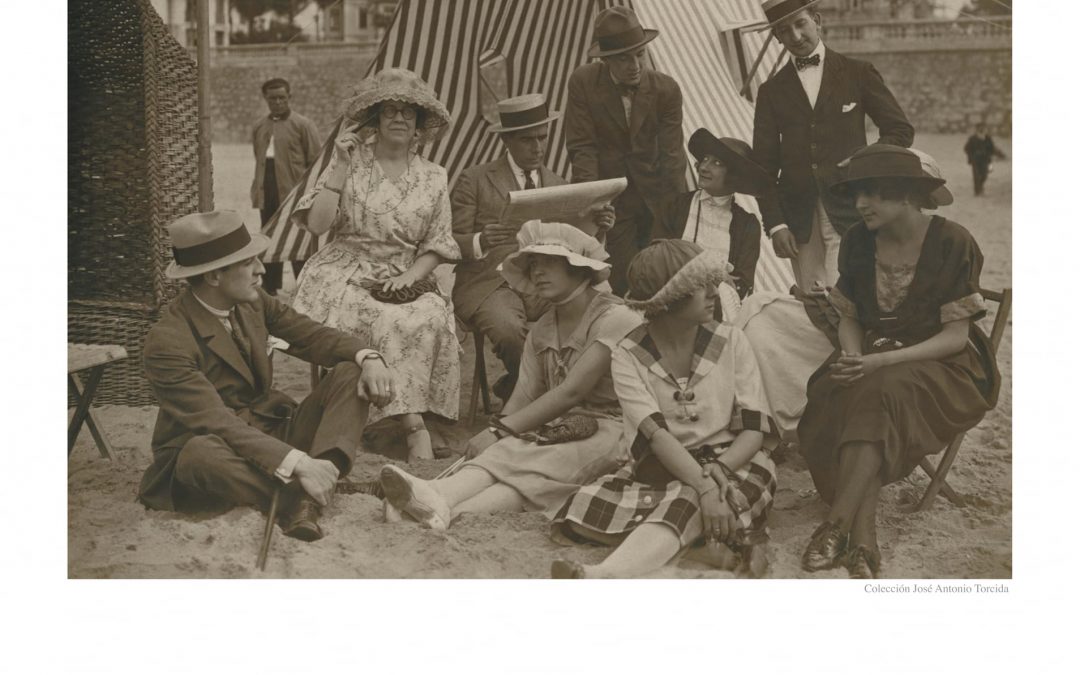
(626, 89)
(529, 184)
(242, 342)
(802, 63)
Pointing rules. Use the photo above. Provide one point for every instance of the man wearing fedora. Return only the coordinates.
(809, 117)
(223, 434)
(625, 119)
(482, 298)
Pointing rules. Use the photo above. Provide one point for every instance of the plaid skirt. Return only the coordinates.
(617, 503)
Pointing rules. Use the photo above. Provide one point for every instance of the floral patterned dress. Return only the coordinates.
(383, 225)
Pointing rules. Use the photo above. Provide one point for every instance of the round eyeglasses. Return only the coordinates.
(389, 111)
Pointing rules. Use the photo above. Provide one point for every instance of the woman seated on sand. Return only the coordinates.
(564, 391)
(711, 215)
(694, 416)
(794, 333)
(913, 369)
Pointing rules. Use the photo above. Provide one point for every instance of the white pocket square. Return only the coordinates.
(847, 107)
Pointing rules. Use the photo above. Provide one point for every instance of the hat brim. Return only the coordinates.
(496, 129)
(513, 270)
(770, 26)
(595, 52)
(749, 177)
(842, 188)
(259, 243)
(707, 267)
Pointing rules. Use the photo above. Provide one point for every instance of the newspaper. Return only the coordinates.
(561, 203)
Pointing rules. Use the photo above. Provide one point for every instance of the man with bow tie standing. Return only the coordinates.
(625, 119)
(809, 117)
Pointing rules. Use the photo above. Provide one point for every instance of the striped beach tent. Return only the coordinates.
(474, 52)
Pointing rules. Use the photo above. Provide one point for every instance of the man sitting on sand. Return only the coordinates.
(223, 435)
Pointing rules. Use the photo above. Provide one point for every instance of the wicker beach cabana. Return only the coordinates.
(132, 169)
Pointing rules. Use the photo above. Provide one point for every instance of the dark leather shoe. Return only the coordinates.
(863, 562)
(825, 549)
(302, 522)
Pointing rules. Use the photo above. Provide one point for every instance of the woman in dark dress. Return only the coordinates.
(913, 369)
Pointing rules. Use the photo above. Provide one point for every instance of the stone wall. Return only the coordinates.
(949, 91)
(942, 91)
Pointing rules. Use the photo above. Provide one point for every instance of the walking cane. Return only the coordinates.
(271, 515)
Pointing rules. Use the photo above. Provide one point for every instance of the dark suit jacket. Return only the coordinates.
(649, 152)
(478, 198)
(204, 386)
(804, 145)
(745, 236)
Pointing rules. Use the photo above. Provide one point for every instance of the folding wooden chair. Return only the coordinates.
(93, 358)
(937, 474)
(480, 381)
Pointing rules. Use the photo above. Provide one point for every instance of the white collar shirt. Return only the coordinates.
(811, 77)
(221, 315)
(708, 222)
(519, 173)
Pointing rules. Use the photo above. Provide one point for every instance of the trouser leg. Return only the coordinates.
(271, 280)
(329, 423)
(817, 258)
(214, 476)
(501, 318)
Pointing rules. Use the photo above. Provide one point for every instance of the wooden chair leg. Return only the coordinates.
(84, 395)
(316, 375)
(485, 391)
(937, 477)
(478, 372)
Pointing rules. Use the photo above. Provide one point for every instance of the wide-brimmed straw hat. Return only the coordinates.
(777, 11)
(881, 160)
(617, 30)
(203, 242)
(744, 174)
(398, 84)
(522, 112)
(668, 270)
(558, 239)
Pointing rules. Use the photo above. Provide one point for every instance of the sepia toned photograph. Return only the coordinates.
(561, 289)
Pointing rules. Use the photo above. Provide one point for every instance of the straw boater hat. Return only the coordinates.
(398, 84)
(208, 241)
(777, 11)
(668, 270)
(522, 112)
(745, 175)
(559, 239)
(617, 30)
(881, 160)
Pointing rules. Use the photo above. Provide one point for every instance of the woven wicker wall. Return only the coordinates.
(132, 169)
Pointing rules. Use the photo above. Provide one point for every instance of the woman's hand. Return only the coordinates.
(717, 518)
(406, 278)
(345, 145)
(480, 442)
(728, 492)
(852, 367)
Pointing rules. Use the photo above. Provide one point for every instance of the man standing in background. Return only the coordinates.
(981, 151)
(286, 143)
(625, 119)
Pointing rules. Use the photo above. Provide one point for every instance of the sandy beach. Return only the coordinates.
(110, 535)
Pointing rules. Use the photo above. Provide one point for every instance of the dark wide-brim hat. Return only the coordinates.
(203, 242)
(776, 11)
(618, 30)
(881, 160)
(745, 174)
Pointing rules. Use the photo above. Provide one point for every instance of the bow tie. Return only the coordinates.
(803, 63)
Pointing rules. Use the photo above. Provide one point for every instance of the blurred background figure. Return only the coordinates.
(981, 151)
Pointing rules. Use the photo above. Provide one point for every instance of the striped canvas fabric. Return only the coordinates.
(474, 52)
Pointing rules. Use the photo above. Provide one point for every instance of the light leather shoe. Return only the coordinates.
(414, 497)
(390, 514)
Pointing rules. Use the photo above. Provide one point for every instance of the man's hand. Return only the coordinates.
(604, 217)
(376, 382)
(317, 477)
(783, 242)
(497, 234)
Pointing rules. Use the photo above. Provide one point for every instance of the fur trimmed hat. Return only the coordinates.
(668, 270)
